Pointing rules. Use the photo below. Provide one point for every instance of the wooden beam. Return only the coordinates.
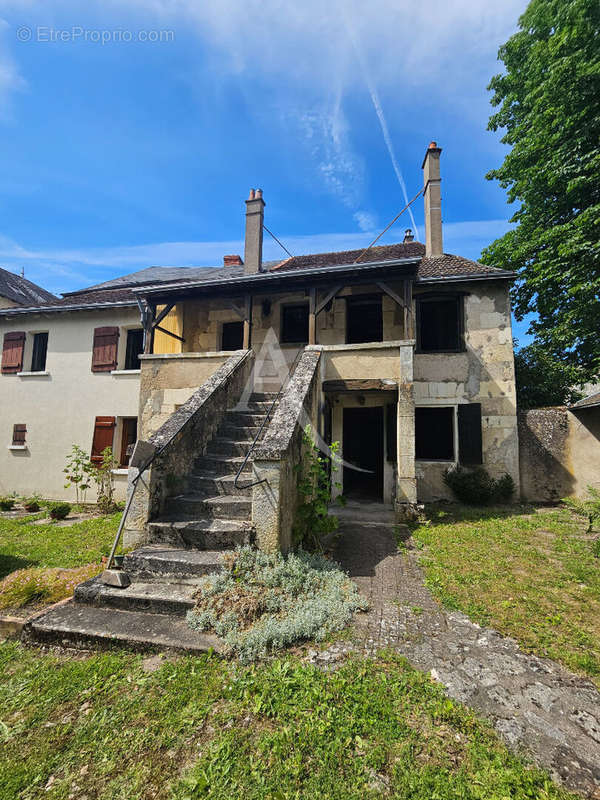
(385, 288)
(169, 333)
(328, 297)
(408, 315)
(360, 385)
(247, 322)
(241, 312)
(147, 312)
(312, 316)
(162, 315)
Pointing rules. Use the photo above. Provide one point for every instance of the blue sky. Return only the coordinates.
(127, 153)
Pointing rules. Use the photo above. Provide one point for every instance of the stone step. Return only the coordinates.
(225, 447)
(201, 534)
(216, 507)
(246, 433)
(220, 465)
(243, 419)
(207, 485)
(160, 563)
(267, 397)
(75, 625)
(251, 407)
(155, 597)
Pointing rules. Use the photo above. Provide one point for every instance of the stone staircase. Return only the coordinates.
(185, 543)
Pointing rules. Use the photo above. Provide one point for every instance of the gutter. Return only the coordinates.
(477, 276)
(14, 312)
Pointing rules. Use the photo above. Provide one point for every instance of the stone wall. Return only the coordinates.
(275, 500)
(182, 439)
(559, 453)
(483, 373)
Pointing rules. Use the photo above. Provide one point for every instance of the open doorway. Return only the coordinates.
(363, 448)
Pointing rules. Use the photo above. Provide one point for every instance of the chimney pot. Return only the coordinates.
(251, 195)
(432, 145)
(408, 235)
(258, 194)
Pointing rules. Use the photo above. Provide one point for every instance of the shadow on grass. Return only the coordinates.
(447, 513)
(9, 564)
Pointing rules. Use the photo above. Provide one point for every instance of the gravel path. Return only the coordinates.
(534, 703)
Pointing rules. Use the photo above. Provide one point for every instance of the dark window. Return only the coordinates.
(19, 434)
(364, 320)
(434, 434)
(439, 324)
(233, 336)
(470, 449)
(128, 439)
(294, 324)
(135, 347)
(40, 348)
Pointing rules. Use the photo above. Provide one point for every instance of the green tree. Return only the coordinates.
(543, 380)
(548, 103)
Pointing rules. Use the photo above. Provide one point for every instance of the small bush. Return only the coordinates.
(7, 503)
(261, 602)
(477, 488)
(59, 510)
(42, 584)
(31, 504)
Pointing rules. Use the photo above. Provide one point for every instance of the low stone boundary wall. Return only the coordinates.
(559, 452)
(274, 502)
(182, 439)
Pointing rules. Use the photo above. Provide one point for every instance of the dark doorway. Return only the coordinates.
(363, 448)
(233, 336)
(364, 319)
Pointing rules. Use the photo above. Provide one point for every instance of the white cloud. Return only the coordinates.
(10, 78)
(366, 221)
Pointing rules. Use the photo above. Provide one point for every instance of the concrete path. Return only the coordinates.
(534, 703)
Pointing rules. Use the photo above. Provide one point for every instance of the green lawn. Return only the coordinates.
(40, 564)
(531, 575)
(101, 727)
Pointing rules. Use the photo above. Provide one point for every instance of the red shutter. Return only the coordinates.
(19, 433)
(104, 355)
(12, 352)
(104, 430)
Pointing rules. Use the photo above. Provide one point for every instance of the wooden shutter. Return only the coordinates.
(12, 352)
(19, 434)
(470, 448)
(106, 343)
(104, 430)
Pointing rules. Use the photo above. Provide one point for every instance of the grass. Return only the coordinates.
(41, 564)
(529, 574)
(102, 727)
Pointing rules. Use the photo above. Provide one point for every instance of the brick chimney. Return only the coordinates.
(433, 201)
(232, 261)
(255, 213)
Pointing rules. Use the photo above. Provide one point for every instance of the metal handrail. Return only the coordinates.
(290, 372)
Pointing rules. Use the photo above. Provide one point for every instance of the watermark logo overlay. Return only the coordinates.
(102, 36)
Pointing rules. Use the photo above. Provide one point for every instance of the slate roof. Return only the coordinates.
(154, 275)
(588, 402)
(22, 291)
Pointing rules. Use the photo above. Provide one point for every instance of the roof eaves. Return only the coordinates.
(277, 275)
(13, 312)
(469, 276)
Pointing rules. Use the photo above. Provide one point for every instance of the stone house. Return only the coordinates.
(401, 353)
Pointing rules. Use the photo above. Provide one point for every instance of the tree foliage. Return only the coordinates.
(542, 380)
(548, 103)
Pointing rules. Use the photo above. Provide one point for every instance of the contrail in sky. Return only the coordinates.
(381, 117)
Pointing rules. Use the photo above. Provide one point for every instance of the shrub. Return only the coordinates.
(476, 487)
(6, 503)
(261, 602)
(589, 508)
(31, 504)
(42, 584)
(104, 478)
(59, 510)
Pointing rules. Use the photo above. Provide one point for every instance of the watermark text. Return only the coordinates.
(101, 36)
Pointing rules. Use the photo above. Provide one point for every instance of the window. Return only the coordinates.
(470, 446)
(128, 439)
(439, 323)
(104, 430)
(294, 324)
(104, 353)
(364, 319)
(434, 433)
(19, 435)
(135, 347)
(232, 337)
(12, 352)
(40, 349)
